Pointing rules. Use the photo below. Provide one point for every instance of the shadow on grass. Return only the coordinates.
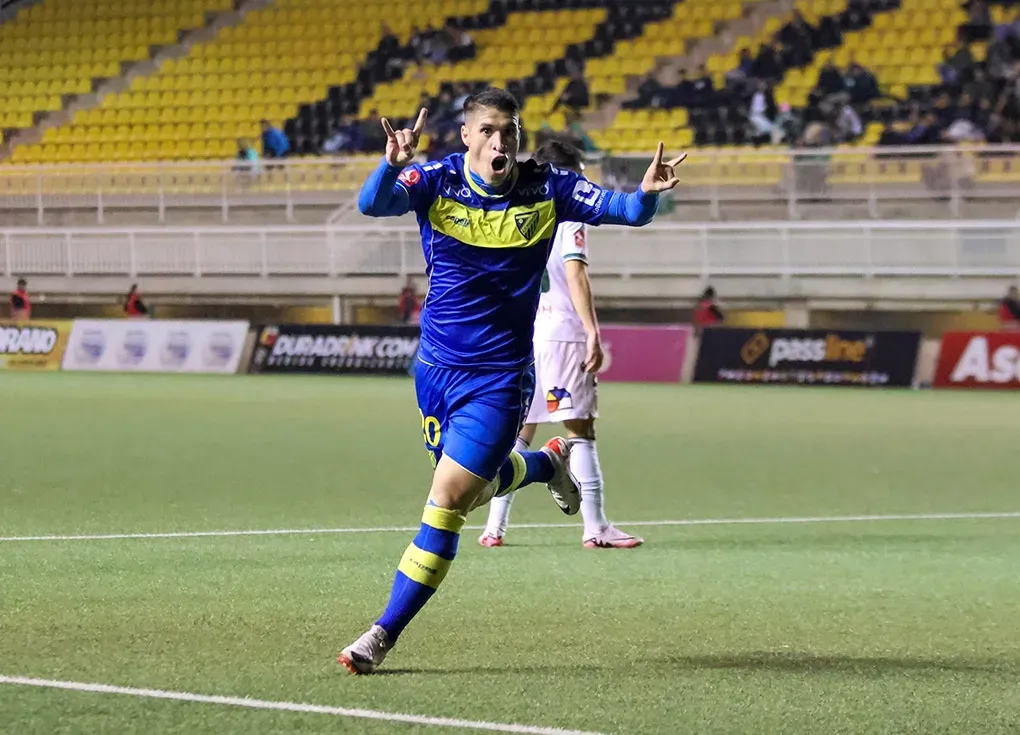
(756, 661)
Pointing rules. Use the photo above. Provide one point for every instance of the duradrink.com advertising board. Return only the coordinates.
(133, 345)
(807, 357)
(336, 349)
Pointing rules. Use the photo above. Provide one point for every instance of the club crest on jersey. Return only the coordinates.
(527, 223)
(557, 399)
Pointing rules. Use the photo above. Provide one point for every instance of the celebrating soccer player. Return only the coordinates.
(568, 354)
(487, 224)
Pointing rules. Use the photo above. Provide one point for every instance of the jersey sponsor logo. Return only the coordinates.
(579, 239)
(409, 176)
(459, 221)
(558, 399)
(534, 191)
(453, 192)
(527, 223)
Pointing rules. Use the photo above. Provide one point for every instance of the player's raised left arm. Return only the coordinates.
(382, 195)
(638, 208)
(582, 201)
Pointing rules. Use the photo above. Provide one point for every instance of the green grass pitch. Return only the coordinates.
(891, 626)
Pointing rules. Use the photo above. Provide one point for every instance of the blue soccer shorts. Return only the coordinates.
(473, 416)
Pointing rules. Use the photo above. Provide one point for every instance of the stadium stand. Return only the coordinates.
(198, 106)
(57, 48)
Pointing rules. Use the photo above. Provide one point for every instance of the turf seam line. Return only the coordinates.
(259, 704)
(525, 526)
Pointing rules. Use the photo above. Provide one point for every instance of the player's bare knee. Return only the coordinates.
(580, 428)
(454, 487)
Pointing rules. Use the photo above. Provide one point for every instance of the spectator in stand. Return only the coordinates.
(576, 133)
(371, 135)
(389, 44)
(21, 304)
(345, 138)
(766, 64)
(274, 142)
(830, 81)
(861, 85)
(925, 131)
(762, 114)
(797, 33)
(134, 307)
(1009, 310)
(248, 156)
(463, 45)
(575, 95)
(704, 89)
(848, 124)
(707, 313)
(409, 306)
(956, 65)
(979, 22)
(856, 16)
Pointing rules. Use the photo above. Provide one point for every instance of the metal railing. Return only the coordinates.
(785, 250)
(717, 185)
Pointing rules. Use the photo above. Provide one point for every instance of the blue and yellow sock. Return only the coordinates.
(422, 568)
(523, 468)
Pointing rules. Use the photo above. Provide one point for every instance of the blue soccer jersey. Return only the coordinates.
(485, 256)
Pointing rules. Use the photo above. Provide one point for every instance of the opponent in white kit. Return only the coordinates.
(568, 354)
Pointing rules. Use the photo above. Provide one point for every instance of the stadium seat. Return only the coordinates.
(902, 47)
(511, 51)
(59, 47)
(283, 55)
(641, 130)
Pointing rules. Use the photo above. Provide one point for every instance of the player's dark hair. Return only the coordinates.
(22, 283)
(494, 99)
(560, 153)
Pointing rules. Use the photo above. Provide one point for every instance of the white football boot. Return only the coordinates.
(563, 487)
(366, 654)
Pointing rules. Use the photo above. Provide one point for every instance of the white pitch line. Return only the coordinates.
(318, 709)
(525, 526)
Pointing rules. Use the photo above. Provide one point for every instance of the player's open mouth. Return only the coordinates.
(499, 164)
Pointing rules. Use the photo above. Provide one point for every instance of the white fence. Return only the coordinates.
(784, 250)
(716, 185)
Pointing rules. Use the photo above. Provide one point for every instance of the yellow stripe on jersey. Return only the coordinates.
(479, 190)
(520, 226)
(424, 567)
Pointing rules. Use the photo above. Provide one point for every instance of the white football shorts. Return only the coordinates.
(563, 390)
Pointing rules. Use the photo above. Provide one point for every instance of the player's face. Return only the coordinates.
(492, 139)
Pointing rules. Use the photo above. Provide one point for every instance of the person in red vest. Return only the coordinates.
(410, 307)
(21, 305)
(1009, 310)
(134, 307)
(707, 313)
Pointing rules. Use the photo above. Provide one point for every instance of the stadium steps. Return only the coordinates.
(701, 28)
(62, 34)
(312, 123)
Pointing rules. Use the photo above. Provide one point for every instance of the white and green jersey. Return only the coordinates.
(557, 321)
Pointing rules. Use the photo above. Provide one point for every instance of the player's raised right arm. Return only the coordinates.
(381, 195)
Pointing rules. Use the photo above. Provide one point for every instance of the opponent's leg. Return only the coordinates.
(584, 463)
(499, 507)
